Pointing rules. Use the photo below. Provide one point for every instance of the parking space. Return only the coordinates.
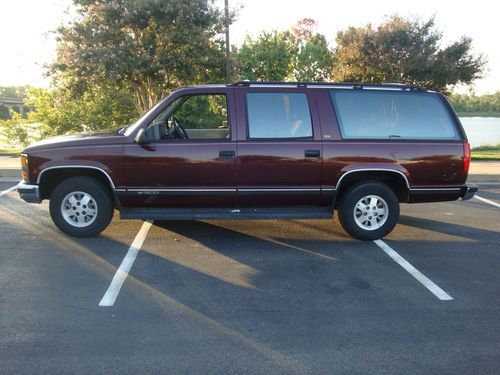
(252, 296)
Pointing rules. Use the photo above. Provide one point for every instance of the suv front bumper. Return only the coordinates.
(469, 192)
(29, 193)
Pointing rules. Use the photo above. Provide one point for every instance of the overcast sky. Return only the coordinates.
(27, 43)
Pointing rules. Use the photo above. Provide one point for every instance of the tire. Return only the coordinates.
(358, 216)
(81, 207)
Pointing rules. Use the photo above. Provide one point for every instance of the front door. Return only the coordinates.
(190, 160)
(279, 148)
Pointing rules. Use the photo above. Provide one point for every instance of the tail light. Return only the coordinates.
(466, 156)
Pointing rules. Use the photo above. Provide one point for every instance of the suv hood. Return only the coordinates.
(110, 136)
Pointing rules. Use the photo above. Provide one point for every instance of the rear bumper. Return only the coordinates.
(29, 193)
(469, 191)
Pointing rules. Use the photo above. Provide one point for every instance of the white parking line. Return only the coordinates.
(121, 274)
(487, 201)
(424, 280)
(8, 190)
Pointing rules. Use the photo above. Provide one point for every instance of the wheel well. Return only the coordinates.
(394, 180)
(51, 178)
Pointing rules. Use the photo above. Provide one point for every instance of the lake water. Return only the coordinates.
(482, 130)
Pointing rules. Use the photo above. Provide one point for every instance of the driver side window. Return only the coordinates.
(196, 117)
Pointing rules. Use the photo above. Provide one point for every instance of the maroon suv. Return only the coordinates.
(256, 150)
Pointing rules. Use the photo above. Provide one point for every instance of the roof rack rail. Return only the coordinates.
(353, 85)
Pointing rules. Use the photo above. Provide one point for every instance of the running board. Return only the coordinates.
(226, 213)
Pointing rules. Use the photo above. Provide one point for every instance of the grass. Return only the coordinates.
(478, 114)
(10, 151)
(486, 152)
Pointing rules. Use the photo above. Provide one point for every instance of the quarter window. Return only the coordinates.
(377, 114)
(278, 115)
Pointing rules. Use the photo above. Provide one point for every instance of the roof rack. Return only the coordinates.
(352, 85)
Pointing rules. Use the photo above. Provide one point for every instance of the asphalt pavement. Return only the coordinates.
(253, 297)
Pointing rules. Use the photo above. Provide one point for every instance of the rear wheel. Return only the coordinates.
(369, 210)
(81, 207)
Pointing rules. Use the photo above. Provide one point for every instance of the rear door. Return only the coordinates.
(279, 147)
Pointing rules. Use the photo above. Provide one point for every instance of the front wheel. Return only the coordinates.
(81, 207)
(369, 211)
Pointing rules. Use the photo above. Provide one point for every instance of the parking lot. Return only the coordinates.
(253, 296)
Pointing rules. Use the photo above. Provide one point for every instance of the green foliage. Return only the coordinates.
(487, 148)
(408, 51)
(485, 104)
(14, 131)
(269, 58)
(4, 112)
(314, 61)
(148, 47)
(203, 112)
(98, 108)
(14, 91)
(298, 55)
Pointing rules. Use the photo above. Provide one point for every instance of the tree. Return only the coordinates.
(407, 51)
(98, 108)
(268, 58)
(148, 47)
(314, 60)
(485, 104)
(298, 55)
(14, 131)
(4, 112)
(14, 91)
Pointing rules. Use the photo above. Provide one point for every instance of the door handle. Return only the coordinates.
(227, 154)
(312, 153)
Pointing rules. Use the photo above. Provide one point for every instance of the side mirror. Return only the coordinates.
(141, 138)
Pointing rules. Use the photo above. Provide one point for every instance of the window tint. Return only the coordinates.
(378, 114)
(278, 115)
(193, 117)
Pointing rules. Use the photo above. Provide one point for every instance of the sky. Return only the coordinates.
(27, 41)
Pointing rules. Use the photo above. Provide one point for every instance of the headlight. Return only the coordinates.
(24, 167)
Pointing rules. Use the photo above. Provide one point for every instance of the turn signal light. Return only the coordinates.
(467, 156)
(24, 167)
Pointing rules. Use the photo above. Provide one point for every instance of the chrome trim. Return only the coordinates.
(23, 185)
(75, 166)
(224, 190)
(30, 193)
(280, 189)
(434, 189)
(351, 87)
(371, 170)
(180, 190)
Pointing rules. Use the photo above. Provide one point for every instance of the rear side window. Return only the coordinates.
(278, 115)
(377, 114)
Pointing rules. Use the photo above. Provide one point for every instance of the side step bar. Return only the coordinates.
(226, 213)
